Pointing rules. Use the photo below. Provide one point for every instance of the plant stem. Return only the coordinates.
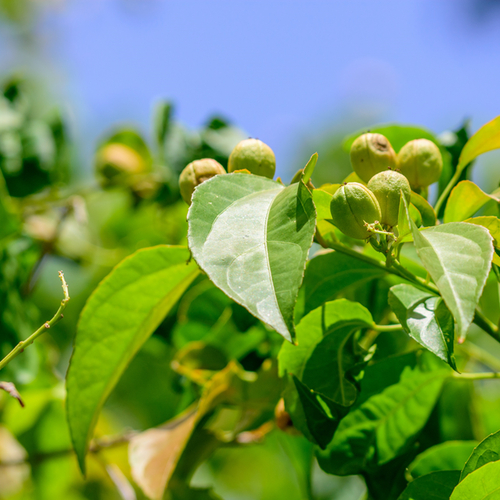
(398, 270)
(25, 343)
(480, 355)
(447, 190)
(387, 328)
(476, 376)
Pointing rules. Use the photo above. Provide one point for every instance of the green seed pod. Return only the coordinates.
(420, 162)
(371, 154)
(195, 173)
(352, 205)
(254, 156)
(387, 187)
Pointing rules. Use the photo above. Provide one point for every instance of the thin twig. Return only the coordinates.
(25, 343)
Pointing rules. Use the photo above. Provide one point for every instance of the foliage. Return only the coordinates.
(246, 336)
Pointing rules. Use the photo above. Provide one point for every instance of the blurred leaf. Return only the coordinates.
(153, 454)
(162, 120)
(270, 229)
(465, 200)
(118, 318)
(426, 319)
(12, 477)
(450, 455)
(327, 275)
(384, 425)
(488, 450)
(480, 484)
(10, 389)
(434, 486)
(487, 138)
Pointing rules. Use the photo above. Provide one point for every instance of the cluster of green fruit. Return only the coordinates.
(384, 177)
(250, 155)
(355, 205)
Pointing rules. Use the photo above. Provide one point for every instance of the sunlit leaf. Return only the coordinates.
(465, 200)
(118, 318)
(458, 257)
(425, 209)
(481, 484)
(487, 138)
(251, 236)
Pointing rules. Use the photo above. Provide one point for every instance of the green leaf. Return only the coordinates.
(319, 423)
(251, 236)
(385, 425)
(491, 223)
(312, 329)
(465, 200)
(458, 257)
(450, 455)
(162, 121)
(322, 201)
(425, 209)
(118, 318)
(487, 138)
(426, 319)
(330, 273)
(434, 486)
(324, 364)
(482, 484)
(488, 450)
(309, 168)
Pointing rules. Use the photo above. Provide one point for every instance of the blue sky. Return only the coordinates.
(281, 70)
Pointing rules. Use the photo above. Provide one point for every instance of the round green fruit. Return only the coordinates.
(371, 154)
(352, 205)
(253, 155)
(195, 173)
(420, 162)
(387, 187)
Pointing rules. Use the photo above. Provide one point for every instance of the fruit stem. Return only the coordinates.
(398, 270)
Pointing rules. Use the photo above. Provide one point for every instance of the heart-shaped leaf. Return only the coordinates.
(426, 319)
(118, 318)
(251, 236)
